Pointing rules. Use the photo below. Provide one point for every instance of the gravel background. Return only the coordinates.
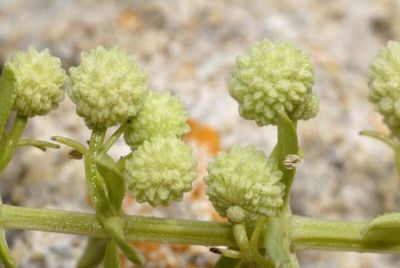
(189, 47)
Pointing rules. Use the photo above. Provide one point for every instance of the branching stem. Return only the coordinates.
(306, 233)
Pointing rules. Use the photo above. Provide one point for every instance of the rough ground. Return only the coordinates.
(189, 47)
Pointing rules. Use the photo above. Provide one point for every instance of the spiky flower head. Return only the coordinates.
(271, 78)
(108, 87)
(162, 115)
(244, 177)
(384, 85)
(39, 81)
(160, 171)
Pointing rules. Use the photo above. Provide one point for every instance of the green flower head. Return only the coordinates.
(244, 178)
(162, 115)
(271, 78)
(39, 81)
(161, 170)
(384, 85)
(108, 87)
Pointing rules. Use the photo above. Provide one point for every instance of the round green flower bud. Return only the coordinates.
(39, 81)
(161, 115)
(235, 214)
(244, 177)
(271, 78)
(108, 87)
(160, 171)
(384, 85)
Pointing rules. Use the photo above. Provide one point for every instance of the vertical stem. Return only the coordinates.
(240, 235)
(115, 136)
(96, 187)
(5, 255)
(7, 150)
(10, 144)
(256, 235)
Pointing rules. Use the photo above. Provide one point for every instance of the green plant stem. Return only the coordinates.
(258, 230)
(96, 187)
(10, 144)
(8, 147)
(71, 143)
(114, 137)
(306, 233)
(240, 235)
(137, 227)
(5, 255)
(335, 235)
(42, 145)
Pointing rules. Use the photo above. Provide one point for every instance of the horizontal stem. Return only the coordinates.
(306, 233)
(42, 145)
(139, 228)
(71, 143)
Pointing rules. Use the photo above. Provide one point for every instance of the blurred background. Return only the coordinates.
(189, 48)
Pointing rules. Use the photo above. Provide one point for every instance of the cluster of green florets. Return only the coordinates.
(162, 115)
(384, 85)
(39, 81)
(108, 88)
(271, 78)
(161, 170)
(244, 177)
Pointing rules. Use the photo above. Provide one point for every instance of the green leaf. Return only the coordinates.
(5, 255)
(287, 145)
(111, 259)
(385, 227)
(277, 240)
(7, 96)
(113, 226)
(121, 162)
(93, 254)
(113, 178)
(97, 189)
(225, 262)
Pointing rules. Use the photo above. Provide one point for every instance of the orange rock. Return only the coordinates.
(203, 135)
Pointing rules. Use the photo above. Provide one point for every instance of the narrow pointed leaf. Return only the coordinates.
(121, 162)
(113, 178)
(111, 259)
(113, 226)
(277, 241)
(7, 96)
(93, 254)
(97, 189)
(5, 255)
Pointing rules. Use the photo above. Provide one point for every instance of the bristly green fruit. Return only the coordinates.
(107, 87)
(244, 177)
(160, 171)
(162, 115)
(274, 77)
(39, 81)
(384, 85)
